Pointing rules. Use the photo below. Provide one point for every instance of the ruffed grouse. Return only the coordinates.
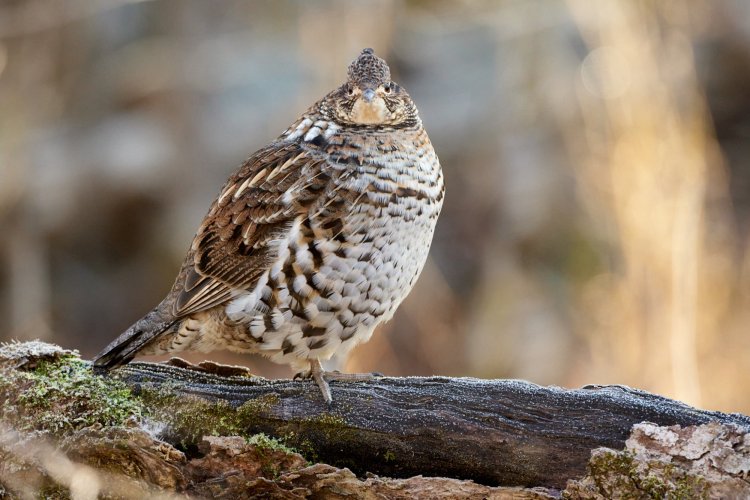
(313, 242)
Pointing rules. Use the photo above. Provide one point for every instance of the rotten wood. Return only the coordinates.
(496, 432)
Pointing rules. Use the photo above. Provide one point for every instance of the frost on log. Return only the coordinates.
(497, 432)
(219, 432)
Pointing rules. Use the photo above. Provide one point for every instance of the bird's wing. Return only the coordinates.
(237, 241)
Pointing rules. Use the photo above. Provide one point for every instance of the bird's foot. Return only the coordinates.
(316, 373)
(181, 363)
(212, 368)
(322, 377)
(350, 377)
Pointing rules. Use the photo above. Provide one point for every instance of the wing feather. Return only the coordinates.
(236, 244)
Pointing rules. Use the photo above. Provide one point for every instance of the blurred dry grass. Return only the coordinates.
(597, 157)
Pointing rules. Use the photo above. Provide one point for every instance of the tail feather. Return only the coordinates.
(126, 346)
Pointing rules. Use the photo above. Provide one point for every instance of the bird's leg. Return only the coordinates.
(317, 374)
(322, 377)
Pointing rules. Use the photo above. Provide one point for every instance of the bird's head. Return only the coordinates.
(369, 97)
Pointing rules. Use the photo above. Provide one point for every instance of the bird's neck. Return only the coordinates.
(314, 128)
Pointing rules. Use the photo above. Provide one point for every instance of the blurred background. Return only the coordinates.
(596, 227)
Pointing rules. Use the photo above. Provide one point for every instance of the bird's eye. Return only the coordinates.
(351, 90)
(387, 88)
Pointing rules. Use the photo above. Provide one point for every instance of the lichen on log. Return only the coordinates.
(57, 440)
(704, 461)
(218, 432)
(496, 432)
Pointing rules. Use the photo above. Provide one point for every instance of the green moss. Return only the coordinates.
(620, 474)
(254, 408)
(303, 435)
(690, 486)
(192, 418)
(53, 491)
(64, 395)
(61, 395)
(268, 443)
(389, 456)
(305, 447)
(333, 427)
(330, 420)
(267, 450)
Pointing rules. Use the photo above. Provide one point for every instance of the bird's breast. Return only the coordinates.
(347, 264)
(399, 164)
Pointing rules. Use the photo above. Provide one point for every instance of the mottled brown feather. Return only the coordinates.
(232, 248)
(314, 241)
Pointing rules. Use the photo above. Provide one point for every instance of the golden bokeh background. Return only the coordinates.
(597, 162)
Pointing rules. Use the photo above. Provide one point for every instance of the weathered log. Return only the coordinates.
(496, 432)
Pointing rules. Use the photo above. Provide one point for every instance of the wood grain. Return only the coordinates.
(496, 432)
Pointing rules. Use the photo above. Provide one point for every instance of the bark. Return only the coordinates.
(202, 432)
(705, 461)
(495, 432)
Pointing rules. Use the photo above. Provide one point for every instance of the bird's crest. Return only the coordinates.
(369, 68)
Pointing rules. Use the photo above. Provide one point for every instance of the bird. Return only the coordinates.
(312, 243)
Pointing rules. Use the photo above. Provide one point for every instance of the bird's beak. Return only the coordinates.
(368, 95)
(370, 108)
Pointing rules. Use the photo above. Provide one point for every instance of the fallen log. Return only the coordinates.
(495, 432)
(161, 431)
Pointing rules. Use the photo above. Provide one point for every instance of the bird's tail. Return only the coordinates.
(126, 346)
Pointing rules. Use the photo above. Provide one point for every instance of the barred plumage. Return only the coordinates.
(313, 242)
